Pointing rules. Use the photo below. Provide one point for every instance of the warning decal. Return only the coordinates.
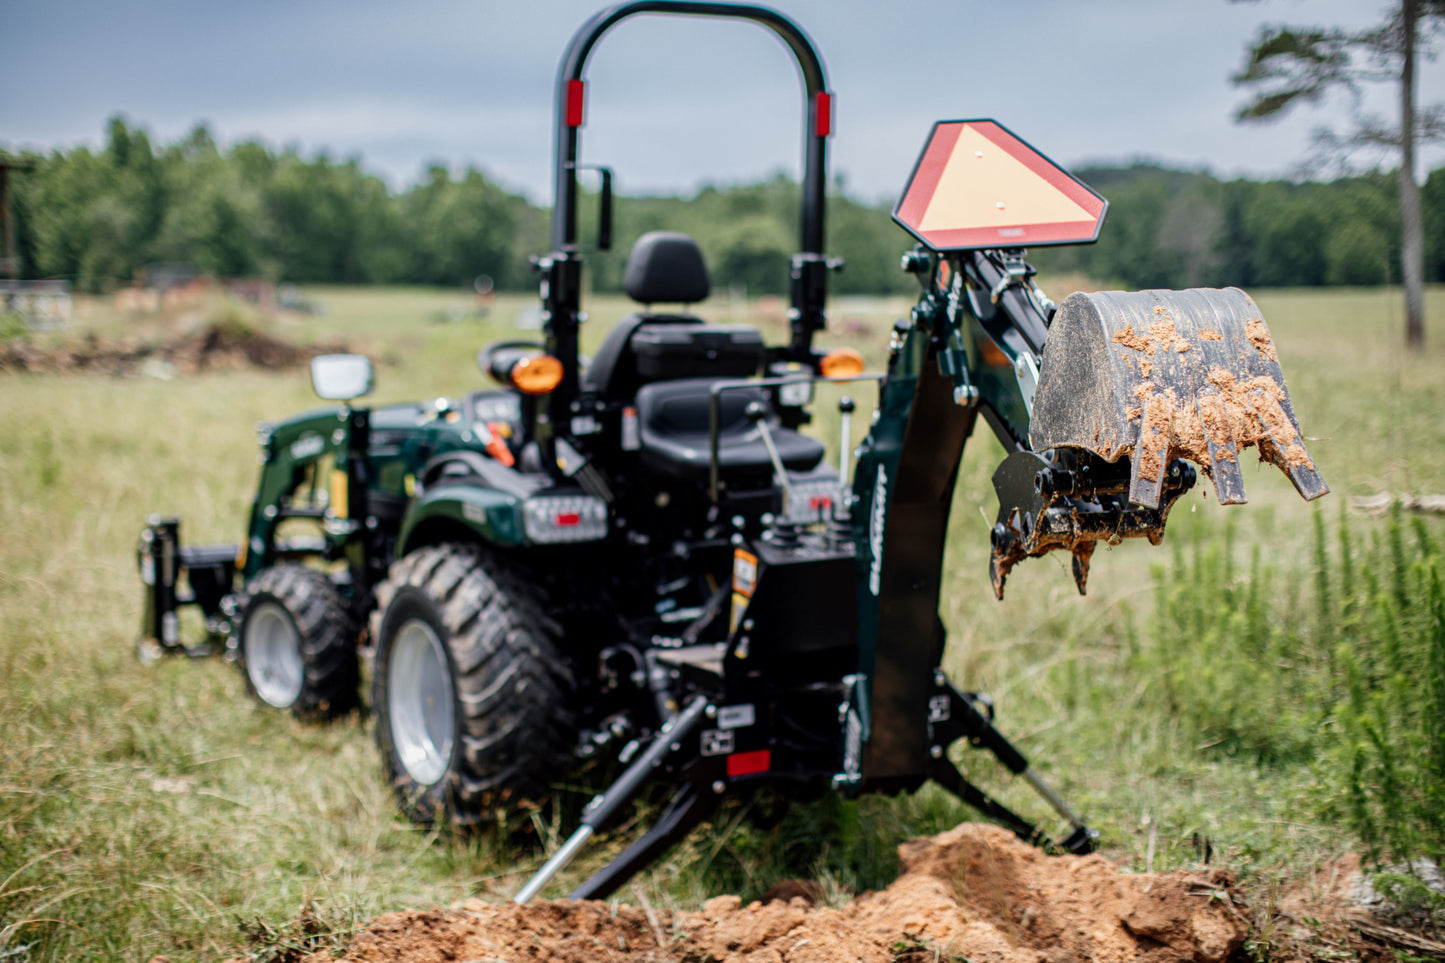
(976, 185)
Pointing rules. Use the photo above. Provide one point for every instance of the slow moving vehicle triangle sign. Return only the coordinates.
(976, 185)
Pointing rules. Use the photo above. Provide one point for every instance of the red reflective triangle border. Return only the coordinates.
(929, 172)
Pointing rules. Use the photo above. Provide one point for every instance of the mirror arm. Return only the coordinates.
(604, 205)
(604, 216)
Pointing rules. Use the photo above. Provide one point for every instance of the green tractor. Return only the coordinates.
(643, 559)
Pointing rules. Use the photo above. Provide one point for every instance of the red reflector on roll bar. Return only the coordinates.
(568, 518)
(822, 113)
(749, 763)
(575, 91)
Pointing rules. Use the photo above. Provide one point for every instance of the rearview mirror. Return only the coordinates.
(341, 377)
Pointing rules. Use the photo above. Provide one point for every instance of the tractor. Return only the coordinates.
(643, 560)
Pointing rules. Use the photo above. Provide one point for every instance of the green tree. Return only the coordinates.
(1289, 65)
(214, 216)
(333, 222)
(1432, 197)
(1289, 235)
(1364, 229)
(92, 216)
(462, 228)
(870, 245)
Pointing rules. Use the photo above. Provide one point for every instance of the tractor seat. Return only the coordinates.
(666, 267)
(674, 432)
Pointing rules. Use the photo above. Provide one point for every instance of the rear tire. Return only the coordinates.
(297, 643)
(472, 699)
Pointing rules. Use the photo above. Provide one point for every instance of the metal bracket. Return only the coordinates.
(953, 362)
(1016, 272)
(1026, 370)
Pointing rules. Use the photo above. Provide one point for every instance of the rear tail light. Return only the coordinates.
(564, 518)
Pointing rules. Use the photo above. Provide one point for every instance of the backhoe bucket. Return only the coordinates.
(1159, 375)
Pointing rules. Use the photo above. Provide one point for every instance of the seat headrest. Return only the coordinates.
(666, 267)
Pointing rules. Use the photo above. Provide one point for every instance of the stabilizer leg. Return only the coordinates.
(689, 807)
(953, 715)
(947, 775)
(675, 733)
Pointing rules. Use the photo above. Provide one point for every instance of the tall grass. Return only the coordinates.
(1336, 662)
(1388, 751)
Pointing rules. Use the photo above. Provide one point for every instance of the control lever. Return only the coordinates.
(840, 528)
(845, 411)
(757, 413)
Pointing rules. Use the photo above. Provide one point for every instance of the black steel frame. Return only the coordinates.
(562, 267)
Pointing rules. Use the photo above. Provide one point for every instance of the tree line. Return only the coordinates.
(98, 217)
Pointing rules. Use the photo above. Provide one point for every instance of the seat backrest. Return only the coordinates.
(664, 267)
(613, 371)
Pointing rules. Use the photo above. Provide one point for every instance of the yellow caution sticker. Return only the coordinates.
(745, 581)
(340, 492)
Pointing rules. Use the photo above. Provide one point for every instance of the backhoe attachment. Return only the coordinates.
(1132, 386)
(1160, 375)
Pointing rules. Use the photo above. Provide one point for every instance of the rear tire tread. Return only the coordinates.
(515, 728)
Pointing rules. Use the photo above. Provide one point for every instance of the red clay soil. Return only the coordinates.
(974, 892)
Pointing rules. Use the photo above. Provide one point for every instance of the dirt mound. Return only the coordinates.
(974, 892)
(217, 347)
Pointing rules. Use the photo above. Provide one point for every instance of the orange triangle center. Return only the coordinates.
(983, 186)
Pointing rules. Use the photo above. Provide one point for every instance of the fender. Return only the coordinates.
(473, 512)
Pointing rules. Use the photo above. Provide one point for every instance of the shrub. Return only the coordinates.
(1341, 667)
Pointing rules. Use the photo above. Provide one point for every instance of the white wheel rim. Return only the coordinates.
(419, 702)
(272, 648)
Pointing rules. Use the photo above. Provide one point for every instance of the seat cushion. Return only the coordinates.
(673, 417)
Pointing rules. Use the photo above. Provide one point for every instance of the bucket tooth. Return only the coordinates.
(1151, 455)
(1223, 464)
(1083, 552)
(1285, 450)
(1307, 479)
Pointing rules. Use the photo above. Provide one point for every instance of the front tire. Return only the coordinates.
(297, 643)
(472, 699)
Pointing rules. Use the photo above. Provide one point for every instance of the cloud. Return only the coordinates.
(673, 102)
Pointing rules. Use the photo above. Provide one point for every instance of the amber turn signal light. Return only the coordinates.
(841, 363)
(536, 376)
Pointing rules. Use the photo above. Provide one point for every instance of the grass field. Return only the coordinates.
(157, 810)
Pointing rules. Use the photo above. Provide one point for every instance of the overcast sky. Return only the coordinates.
(673, 103)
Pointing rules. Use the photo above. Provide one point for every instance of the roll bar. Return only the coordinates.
(817, 107)
(561, 289)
